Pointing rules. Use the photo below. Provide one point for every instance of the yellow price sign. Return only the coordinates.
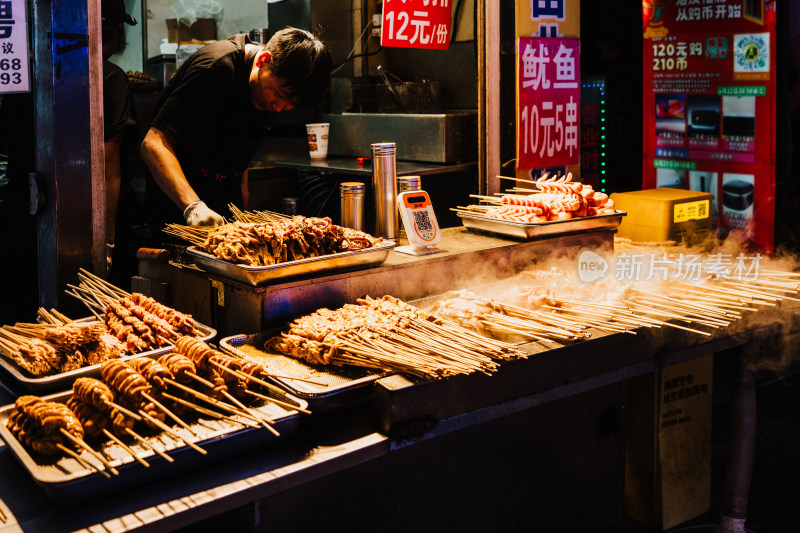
(692, 211)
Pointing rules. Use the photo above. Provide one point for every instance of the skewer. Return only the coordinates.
(208, 412)
(492, 199)
(211, 400)
(125, 447)
(246, 376)
(90, 305)
(170, 414)
(141, 440)
(278, 402)
(169, 431)
(112, 288)
(81, 460)
(125, 411)
(89, 449)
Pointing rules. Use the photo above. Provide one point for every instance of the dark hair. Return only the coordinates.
(302, 61)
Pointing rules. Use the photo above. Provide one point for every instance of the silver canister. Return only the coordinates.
(289, 206)
(351, 194)
(384, 180)
(408, 183)
(259, 35)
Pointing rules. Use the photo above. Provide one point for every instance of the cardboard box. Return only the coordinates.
(664, 214)
(668, 444)
(201, 30)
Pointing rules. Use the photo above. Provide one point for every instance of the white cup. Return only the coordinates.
(318, 139)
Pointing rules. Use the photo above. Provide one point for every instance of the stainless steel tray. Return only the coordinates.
(541, 229)
(339, 385)
(20, 379)
(64, 479)
(259, 275)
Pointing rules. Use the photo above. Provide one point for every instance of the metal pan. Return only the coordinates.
(259, 275)
(541, 229)
(64, 479)
(340, 385)
(20, 379)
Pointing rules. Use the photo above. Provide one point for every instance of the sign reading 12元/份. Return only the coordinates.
(416, 24)
(14, 70)
(549, 99)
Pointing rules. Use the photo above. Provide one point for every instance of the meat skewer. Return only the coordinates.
(38, 423)
(203, 356)
(95, 423)
(135, 388)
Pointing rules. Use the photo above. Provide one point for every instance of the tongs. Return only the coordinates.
(384, 74)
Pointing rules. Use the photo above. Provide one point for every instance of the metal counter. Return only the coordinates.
(467, 259)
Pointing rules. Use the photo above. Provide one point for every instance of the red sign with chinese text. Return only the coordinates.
(709, 107)
(416, 24)
(549, 98)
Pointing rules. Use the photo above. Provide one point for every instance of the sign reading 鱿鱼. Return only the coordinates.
(14, 68)
(549, 99)
(416, 24)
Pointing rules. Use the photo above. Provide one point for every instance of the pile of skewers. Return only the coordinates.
(55, 346)
(193, 380)
(138, 321)
(263, 238)
(389, 334)
(553, 199)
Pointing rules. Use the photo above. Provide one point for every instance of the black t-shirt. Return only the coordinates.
(207, 113)
(118, 112)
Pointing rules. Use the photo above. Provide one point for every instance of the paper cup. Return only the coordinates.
(318, 140)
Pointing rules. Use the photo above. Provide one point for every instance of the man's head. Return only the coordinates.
(293, 69)
(114, 16)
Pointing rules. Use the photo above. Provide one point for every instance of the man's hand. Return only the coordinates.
(198, 214)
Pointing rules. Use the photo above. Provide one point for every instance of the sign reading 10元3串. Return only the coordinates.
(14, 70)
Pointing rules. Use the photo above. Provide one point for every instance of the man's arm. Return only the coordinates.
(159, 156)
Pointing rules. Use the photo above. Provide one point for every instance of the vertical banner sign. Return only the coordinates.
(549, 97)
(709, 107)
(14, 67)
(416, 24)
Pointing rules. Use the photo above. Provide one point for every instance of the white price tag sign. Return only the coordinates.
(14, 66)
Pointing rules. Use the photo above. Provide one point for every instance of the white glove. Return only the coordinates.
(198, 214)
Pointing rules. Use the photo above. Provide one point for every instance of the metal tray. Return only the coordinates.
(541, 229)
(259, 275)
(341, 385)
(65, 480)
(20, 379)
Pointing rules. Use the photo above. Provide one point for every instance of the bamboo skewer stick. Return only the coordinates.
(161, 425)
(89, 449)
(141, 440)
(670, 324)
(125, 447)
(208, 412)
(170, 414)
(211, 400)
(81, 460)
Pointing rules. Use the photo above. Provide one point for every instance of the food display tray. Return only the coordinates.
(540, 229)
(260, 275)
(22, 380)
(340, 386)
(65, 480)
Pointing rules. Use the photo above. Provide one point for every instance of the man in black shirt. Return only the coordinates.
(213, 115)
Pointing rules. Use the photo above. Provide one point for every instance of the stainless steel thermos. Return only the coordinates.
(351, 194)
(384, 181)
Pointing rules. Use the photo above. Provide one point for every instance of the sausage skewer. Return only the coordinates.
(96, 423)
(133, 386)
(203, 356)
(38, 423)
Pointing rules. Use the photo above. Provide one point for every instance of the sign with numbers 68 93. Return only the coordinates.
(14, 66)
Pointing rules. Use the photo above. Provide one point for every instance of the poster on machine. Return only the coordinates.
(548, 121)
(709, 107)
